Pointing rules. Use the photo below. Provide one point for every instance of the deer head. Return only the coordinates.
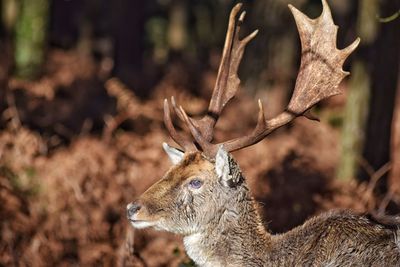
(205, 179)
(187, 198)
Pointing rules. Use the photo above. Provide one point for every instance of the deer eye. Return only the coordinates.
(195, 183)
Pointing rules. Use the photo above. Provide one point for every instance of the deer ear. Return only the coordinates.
(226, 168)
(174, 154)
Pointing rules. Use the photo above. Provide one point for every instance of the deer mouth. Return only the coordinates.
(139, 224)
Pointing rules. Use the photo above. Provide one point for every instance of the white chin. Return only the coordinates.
(142, 224)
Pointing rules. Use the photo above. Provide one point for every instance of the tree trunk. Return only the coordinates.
(9, 12)
(385, 67)
(354, 121)
(394, 178)
(66, 17)
(356, 110)
(128, 27)
(30, 38)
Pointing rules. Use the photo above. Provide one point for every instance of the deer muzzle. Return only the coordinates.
(138, 215)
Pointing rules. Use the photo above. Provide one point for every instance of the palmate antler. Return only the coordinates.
(319, 76)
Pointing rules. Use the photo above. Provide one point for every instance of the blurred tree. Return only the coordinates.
(128, 30)
(65, 21)
(30, 37)
(356, 109)
(384, 69)
(9, 12)
(354, 121)
(368, 112)
(394, 178)
(177, 29)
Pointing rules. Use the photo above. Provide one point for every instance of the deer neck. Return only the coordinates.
(237, 228)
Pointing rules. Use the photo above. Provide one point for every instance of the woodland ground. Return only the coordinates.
(75, 149)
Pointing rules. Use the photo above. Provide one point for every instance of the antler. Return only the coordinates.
(226, 84)
(319, 76)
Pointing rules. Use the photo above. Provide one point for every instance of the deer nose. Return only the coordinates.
(132, 208)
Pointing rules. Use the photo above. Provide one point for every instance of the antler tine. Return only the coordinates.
(227, 81)
(180, 139)
(261, 123)
(346, 52)
(319, 75)
(177, 109)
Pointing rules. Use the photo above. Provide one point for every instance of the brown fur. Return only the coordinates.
(221, 225)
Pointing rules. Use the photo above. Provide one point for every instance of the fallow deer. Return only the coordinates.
(205, 198)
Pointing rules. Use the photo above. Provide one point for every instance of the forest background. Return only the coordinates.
(81, 91)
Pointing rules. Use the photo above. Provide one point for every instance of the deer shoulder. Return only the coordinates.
(205, 197)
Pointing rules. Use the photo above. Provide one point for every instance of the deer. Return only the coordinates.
(204, 195)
